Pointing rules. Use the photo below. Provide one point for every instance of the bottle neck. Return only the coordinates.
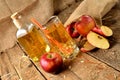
(17, 23)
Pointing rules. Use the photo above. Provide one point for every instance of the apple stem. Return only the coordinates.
(49, 56)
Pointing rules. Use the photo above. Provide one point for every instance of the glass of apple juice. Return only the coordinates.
(57, 34)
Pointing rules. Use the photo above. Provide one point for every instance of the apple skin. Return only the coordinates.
(98, 30)
(85, 25)
(84, 50)
(72, 31)
(103, 30)
(51, 62)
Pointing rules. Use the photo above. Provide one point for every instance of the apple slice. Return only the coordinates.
(103, 30)
(106, 31)
(87, 47)
(97, 40)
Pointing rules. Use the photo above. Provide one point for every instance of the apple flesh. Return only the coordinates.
(85, 25)
(87, 47)
(51, 62)
(97, 40)
(72, 31)
(103, 30)
(106, 31)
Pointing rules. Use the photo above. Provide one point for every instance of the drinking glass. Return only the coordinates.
(60, 38)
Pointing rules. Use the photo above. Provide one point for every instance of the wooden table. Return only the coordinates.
(95, 65)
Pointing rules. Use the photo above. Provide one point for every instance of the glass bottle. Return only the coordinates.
(32, 41)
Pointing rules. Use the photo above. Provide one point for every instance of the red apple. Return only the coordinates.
(103, 30)
(85, 25)
(51, 62)
(72, 31)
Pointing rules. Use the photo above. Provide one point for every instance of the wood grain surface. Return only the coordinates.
(96, 65)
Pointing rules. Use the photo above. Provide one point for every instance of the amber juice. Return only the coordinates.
(61, 38)
(34, 43)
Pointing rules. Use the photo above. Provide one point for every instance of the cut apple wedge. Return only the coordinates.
(103, 30)
(87, 47)
(106, 31)
(97, 40)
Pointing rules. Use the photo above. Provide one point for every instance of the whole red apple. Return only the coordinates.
(51, 62)
(72, 31)
(85, 24)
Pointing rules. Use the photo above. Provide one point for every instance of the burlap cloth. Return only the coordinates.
(94, 8)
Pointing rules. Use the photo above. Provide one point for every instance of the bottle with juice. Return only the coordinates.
(32, 41)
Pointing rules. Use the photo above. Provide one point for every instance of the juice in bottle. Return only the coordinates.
(32, 41)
